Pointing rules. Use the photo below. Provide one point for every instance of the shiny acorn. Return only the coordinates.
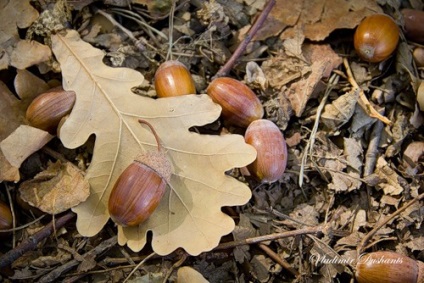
(172, 78)
(6, 219)
(271, 148)
(240, 105)
(47, 109)
(388, 267)
(140, 187)
(413, 24)
(376, 38)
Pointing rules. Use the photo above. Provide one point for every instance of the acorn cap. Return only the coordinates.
(157, 161)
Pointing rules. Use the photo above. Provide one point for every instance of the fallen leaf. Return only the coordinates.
(27, 53)
(12, 112)
(56, 189)
(394, 184)
(13, 15)
(189, 215)
(319, 18)
(413, 153)
(23, 142)
(340, 110)
(416, 244)
(187, 274)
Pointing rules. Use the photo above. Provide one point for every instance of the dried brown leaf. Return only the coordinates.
(416, 244)
(56, 189)
(319, 18)
(394, 184)
(323, 60)
(340, 110)
(106, 107)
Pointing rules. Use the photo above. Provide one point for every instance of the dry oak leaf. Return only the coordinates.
(189, 215)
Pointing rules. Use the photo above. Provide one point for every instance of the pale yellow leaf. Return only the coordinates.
(28, 53)
(187, 274)
(23, 142)
(189, 215)
(14, 14)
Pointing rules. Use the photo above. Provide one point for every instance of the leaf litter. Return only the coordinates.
(357, 171)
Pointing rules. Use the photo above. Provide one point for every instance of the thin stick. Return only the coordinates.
(370, 234)
(12, 210)
(57, 272)
(242, 47)
(334, 79)
(138, 266)
(31, 243)
(23, 226)
(270, 237)
(281, 261)
(171, 29)
(363, 100)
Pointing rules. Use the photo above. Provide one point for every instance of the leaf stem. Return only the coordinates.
(141, 121)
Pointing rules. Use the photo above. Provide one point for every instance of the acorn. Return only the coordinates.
(389, 267)
(47, 109)
(418, 56)
(240, 105)
(172, 78)
(413, 24)
(271, 148)
(140, 187)
(376, 38)
(6, 218)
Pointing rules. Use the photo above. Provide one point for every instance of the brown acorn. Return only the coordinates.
(376, 38)
(140, 187)
(6, 219)
(47, 109)
(389, 267)
(413, 24)
(271, 148)
(240, 105)
(172, 78)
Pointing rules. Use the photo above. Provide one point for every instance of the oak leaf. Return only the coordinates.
(189, 215)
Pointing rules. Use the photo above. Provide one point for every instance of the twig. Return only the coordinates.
(31, 242)
(281, 261)
(54, 274)
(270, 237)
(12, 210)
(24, 225)
(241, 48)
(183, 258)
(363, 100)
(138, 266)
(370, 234)
(171, 31)
(307, 151)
